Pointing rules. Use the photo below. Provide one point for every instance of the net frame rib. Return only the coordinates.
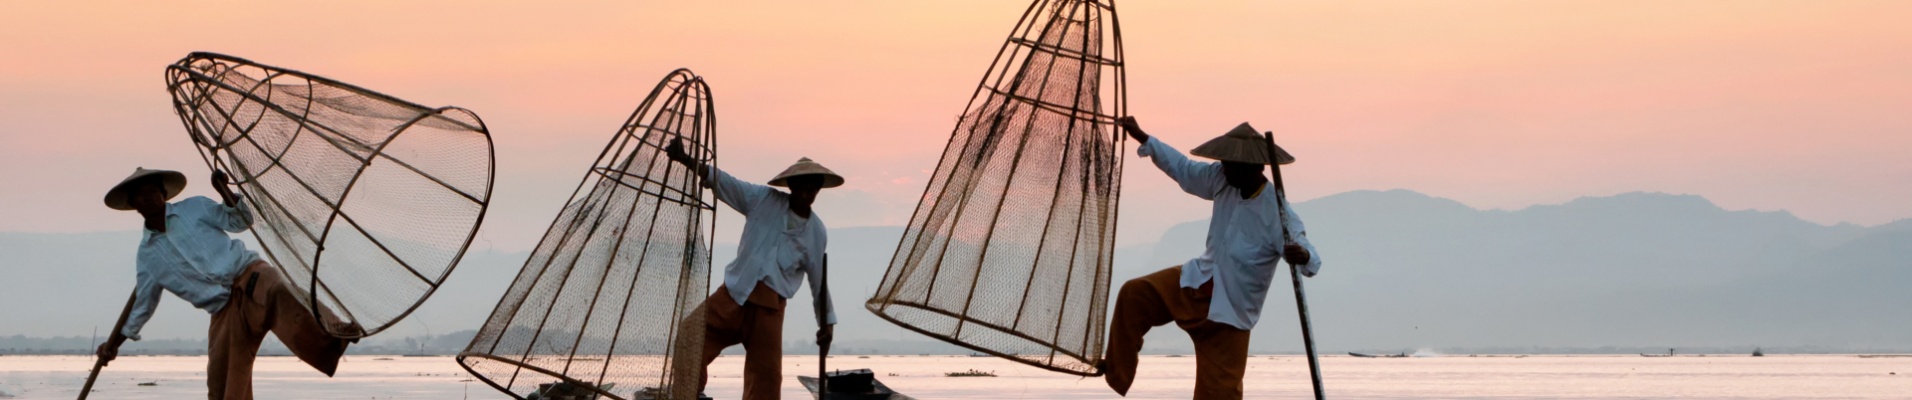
(185, 73)
(1007, 66)
(681, 86)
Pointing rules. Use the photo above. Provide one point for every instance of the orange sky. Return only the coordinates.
(1804, 106)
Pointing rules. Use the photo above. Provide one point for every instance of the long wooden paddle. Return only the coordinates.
(823, 349)
(1294, 271)
(101, 363)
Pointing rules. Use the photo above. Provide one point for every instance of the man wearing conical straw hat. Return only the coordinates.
(783, 245)
(1217, 296)
(185, 249)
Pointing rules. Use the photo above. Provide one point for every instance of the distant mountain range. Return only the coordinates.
(1403, 271)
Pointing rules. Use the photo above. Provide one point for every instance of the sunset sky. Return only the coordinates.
(1804, 106)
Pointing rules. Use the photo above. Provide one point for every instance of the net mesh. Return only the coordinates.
(600, 301)
(1009, 251)
(365, 201)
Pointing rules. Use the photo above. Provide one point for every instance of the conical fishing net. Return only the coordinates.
(1009, 251)
(365, 201)
(601, 304)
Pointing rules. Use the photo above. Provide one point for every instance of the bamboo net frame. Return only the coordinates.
(1009, 251)
(366, 202)
(606, 302)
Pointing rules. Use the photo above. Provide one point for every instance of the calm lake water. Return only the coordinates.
(1269, 377)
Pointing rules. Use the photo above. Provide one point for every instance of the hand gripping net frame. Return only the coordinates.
(1009, 251)
(366, 202)
(603, 301)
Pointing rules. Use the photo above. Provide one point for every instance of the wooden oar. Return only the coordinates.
(101, 363)
(1294, 271)
(823, 349)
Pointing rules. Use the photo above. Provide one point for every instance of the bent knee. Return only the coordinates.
(1137, 287)
(268, 274)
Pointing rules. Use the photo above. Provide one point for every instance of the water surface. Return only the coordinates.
(1161, 377)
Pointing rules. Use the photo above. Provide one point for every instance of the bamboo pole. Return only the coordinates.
(823, 349)
(1294, 271)
(101, 363)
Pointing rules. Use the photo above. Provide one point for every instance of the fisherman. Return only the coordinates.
(185, 249)
(1217, 296)
(783, 245)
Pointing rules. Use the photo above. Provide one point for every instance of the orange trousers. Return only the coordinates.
(758, 325)
(267, 305)
(1221, 351)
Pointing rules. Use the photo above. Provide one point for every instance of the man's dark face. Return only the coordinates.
(803, 190)
(148, 196)
(1243, 176)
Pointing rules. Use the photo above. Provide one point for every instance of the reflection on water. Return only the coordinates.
(1444, 377)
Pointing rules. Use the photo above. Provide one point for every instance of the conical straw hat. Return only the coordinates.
(175, 182)
(806, 167)
(1242, 144)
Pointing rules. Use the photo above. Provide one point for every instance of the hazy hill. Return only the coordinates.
(1403, 271)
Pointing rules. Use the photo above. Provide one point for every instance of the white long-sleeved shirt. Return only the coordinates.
(779, 248)
(1244, 237)
(194, 258)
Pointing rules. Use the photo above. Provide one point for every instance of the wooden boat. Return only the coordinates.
(562, 390)
(1363, 355)
(651, 393)
(860, 384)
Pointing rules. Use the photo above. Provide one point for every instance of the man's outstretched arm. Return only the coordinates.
(236, 216)
(741, 196)
(109, 350)
(1202, 179)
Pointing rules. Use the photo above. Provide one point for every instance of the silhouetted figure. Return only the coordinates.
(185, 249)
(783, 243)
(1217, 296)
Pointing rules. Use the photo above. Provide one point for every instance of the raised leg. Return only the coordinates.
(1139, 306)
(283, 314)
(722, 322)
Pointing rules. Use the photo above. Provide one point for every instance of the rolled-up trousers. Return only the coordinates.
(758, 325)
(1221, 350)
(257, 306)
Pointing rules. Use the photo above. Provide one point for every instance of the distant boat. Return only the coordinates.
(1402, 355)
(970, 373)
(1757, 353)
